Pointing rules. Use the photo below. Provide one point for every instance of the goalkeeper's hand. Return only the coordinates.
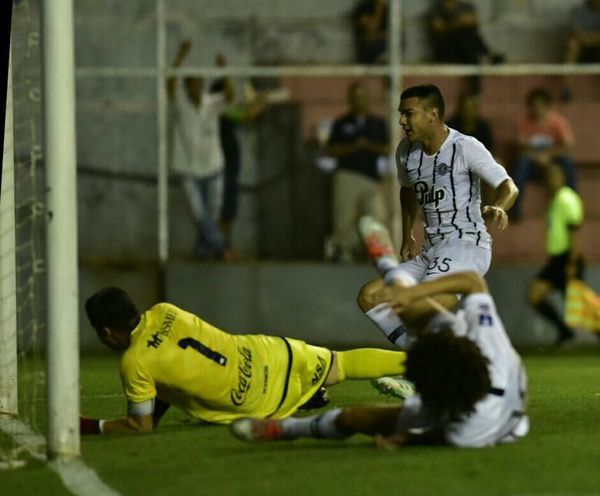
(90, 425)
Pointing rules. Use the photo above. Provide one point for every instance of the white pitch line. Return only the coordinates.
(89, 397)
(80, 479)
(77, 477)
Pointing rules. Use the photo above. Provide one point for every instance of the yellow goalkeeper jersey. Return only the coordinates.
(215, 376)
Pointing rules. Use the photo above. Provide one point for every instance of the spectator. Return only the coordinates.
(467, 120)
(359, 142)
(564, 218)
(196, 153)
(455, 34)
(544, 136)
(237, 113)
(370, 22)
(584, 43)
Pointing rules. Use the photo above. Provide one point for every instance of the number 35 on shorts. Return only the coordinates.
(439, 264)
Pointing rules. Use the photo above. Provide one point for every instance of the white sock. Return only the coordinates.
(389, 268)
(385, 263)
(398, 275)
(319, 426)
(388, 321)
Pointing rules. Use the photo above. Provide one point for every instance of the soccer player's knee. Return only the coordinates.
(336, 372)
(365, 298)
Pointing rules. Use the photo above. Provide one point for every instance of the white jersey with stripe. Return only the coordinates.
(447, 185)
(500, 416)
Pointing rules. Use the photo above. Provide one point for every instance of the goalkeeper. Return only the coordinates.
(173, 357)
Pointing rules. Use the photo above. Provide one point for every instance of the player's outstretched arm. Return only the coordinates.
(433, 437)
(131, 423)
(182, 52)
(401, 298)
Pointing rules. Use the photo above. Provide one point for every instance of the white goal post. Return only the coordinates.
(61, 196)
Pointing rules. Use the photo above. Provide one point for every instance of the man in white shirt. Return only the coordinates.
(439, 170)
(196, 153)
(470, 382)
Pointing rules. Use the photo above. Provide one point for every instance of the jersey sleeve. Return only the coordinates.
(573, 209)
(479, 311)
(138, 385)
(479, 160)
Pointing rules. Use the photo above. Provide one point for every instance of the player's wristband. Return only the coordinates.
(90, 426)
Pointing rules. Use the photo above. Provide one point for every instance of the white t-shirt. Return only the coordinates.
(196, 144)
(447, 185)
(500, 416)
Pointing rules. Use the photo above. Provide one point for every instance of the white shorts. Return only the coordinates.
(447, 257)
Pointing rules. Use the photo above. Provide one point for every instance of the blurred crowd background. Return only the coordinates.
(281, 127)
(521, 75)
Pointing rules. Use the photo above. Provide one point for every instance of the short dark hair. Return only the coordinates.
(111, 307)
(449, 372)
(428, 92)
(538, 93)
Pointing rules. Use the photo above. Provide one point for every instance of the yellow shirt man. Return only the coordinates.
(173, 357)
(214, 376)
(565, 211)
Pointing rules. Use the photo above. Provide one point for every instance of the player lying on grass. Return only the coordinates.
(469, 380)
(173, 357)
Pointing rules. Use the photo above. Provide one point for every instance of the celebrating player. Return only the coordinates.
(173, 357)
(439, 170)
(470, 382)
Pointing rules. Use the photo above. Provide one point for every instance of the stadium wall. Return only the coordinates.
(314, 302)
(269, 31)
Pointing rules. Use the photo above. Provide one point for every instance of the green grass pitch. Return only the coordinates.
(561, 455)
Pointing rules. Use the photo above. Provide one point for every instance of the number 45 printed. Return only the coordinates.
(437, 265)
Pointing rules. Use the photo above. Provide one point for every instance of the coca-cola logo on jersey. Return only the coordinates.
(239, 394)
(427, 196)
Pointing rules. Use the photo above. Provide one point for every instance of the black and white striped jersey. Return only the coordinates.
(447, 185)
(500, 416)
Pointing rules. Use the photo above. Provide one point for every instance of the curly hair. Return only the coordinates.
(449, 372)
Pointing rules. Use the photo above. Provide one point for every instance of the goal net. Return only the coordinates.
(22, 376)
